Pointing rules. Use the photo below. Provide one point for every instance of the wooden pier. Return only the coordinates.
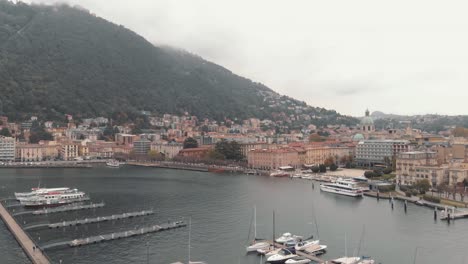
(117, 235)
(30, 248)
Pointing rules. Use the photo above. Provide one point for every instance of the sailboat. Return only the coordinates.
(353, 260)
(256, 245)
(189, 246)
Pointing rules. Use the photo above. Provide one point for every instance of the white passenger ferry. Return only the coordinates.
(51, 197)
(343, 187)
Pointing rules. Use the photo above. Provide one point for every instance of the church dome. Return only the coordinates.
(367, 120)
(358, 137)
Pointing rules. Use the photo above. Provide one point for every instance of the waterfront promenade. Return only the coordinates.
(29, 247)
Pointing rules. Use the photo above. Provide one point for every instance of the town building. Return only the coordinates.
(370, 153)
(69, 151)
(7, 148)
(194, 153)
(272, 159)
(169, 150)
(141, 146)
(418, 165)
(124, 139)
(316, 155)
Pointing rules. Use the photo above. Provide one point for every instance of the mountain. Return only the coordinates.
(429, 122)
(57, 60)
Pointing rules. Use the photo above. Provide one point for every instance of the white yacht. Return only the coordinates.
(268, 252)
(343, 187)
(281, 257)
(37, 192)
(305, 244)
(287, 237)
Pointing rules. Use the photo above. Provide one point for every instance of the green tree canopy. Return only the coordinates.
(230, 150)
(5, 132)
(190, 143)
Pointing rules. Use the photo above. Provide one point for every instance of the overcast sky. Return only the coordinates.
(404, 57)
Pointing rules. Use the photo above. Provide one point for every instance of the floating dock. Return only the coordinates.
(67, 208)
(117, 235)
(91, 220)
(29, 247)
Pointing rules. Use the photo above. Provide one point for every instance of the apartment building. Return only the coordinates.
(7, 148)
(379, 152)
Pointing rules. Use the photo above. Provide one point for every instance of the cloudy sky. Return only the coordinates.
(405, 57)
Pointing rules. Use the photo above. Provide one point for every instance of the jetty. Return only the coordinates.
(118, 235)
(67, 208)
(91, 220)
(27, 244)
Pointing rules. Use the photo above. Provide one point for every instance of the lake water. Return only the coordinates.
(221, 208)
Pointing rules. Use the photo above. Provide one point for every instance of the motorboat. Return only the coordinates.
(287, 237)
(315, 249)
(268, 252)
(305, 244)
(281, 257)
(298, 260)
(343, 187)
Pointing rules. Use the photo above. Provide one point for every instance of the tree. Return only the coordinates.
(422, 186)
(230, 150)
(39, 133)
(369, 174)
(322, 168)
(316, 138)
(329, 161)
(215, 155)
(333, 167)
(5, 132)
(154, 155)
(387, 170)
(315, 169)
(190, 143)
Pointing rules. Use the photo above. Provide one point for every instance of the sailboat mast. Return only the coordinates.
(255, 223)
(189, 237)
(273, 241)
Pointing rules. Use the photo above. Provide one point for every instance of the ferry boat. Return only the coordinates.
(55, 198)
(343, 187)
(38, 191)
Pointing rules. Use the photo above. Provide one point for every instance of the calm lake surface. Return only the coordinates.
(221, 207)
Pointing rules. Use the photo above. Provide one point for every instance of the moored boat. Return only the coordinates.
(54, 198)
(113, 164)
(281, 257)
(343, 187)
(279, 174)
